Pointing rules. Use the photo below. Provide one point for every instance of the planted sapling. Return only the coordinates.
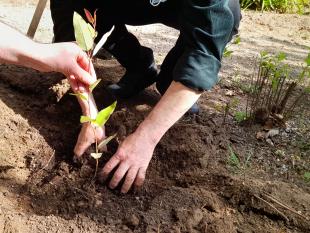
(85, 34)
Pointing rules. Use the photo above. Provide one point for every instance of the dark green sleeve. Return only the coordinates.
(206, 26)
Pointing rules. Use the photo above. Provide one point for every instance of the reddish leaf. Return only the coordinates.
(95, 19)
(89, 16)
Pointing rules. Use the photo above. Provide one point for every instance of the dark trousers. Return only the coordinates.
(123, 45)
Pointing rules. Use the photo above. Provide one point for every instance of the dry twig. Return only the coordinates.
(273, 207)
(285, 206)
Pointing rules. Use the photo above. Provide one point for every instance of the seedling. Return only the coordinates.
(240, 116)
(236, 163)
(307, 176)
(85, 35)
(227, 52)
(272, 88)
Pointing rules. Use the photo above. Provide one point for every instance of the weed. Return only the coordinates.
(227, 52)
(236, 163)
(307, 176)
(233, 160)
(240, 116)
(85, 34)
(272, 88)
(292, 6)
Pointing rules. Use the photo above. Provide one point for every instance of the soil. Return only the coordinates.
(191, 185)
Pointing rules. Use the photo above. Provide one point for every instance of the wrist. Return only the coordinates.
(35, 56)
(148, 132)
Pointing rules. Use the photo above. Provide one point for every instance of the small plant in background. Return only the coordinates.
(240, 116)
(292, 6)
(307, 176)
(236, 163)
(85, 35)
(227, 52)
(272, 89)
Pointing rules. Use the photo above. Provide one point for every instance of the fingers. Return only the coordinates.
(83, 76)
(76, 86)
(85, 64)
(130, 178)
(118, 175)
(108, 168)
(140, 177)
(73, 83)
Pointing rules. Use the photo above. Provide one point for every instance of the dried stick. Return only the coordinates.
(284, 206)
(48, 162)
(273, 207)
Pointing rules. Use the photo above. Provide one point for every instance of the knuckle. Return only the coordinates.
(107, 168)
(120, 156)
(117, 177)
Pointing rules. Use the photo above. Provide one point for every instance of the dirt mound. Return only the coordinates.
(189, 186)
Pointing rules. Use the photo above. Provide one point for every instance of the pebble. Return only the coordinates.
(133, 221)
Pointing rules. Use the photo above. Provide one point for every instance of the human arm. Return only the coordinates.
(66, 58)
(206, 27)
(135, 152)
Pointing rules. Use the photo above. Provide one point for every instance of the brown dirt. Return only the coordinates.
(190, 186)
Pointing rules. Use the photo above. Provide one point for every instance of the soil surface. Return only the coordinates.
(191, 184)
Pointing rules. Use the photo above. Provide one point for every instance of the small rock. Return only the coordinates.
(86, 171)
(143, 108)
(196, 216)
(133, 221)
(98, 203)
(288, 130)
(279, 116)
(64, 168)
(260, 135)
(230, 93)
(280, 153)
(125, 228)
(269, 141)
(273, 132)
(81, 204)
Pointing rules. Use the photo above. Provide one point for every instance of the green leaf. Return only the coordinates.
(92, 31)
(264, 54)
(307, 176)
(83, 34)
(240, 116)
(80, 95)
(105, 141)
(281, 56)
(96, 155)
(105, 114)
(237, 40)
(227, 53)
(85, 119)
(307, 60)
(233, 158)
(93, 86)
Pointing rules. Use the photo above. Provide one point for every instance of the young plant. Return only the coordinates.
(85, 35)
(272, 89)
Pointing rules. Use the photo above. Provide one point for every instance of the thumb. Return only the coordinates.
(83, 76)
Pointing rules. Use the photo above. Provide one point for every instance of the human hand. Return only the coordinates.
(68, 58)
(131, 159)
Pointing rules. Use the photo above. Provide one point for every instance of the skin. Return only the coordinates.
(66, 58)
(135, 152)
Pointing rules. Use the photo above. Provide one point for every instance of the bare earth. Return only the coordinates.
(190, 185)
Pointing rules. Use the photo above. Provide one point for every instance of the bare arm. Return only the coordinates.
(134, 154)
(66, 58)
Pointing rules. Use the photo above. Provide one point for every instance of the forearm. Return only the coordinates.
(173, 105)
(17, 49)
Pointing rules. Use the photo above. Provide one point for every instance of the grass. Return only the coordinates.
(282, 6)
